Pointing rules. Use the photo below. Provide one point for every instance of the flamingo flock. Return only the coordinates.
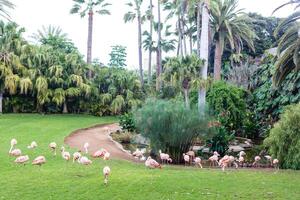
(188, 157)
(41, 160)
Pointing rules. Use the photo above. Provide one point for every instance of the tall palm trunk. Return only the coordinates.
(90, 41)
(218, 61)
(150, 48)
(204, 41)
(159, 52)
(1, 100)
(65, 109)
(186, 97)
(139, 19)
(198, 27)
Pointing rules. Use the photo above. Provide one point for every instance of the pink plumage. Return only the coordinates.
(22, 159)
(40, 160)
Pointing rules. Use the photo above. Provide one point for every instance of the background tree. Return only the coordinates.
(231, 26)
(5, 5)
(83, 7)
(288, 45)
(118, 56)
(136, 13)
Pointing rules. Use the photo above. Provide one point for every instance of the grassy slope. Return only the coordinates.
(61, 180)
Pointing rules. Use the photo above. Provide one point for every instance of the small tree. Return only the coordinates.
(284, 139)
(118, 56)
(170, 126)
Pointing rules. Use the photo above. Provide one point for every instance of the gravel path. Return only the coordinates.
(98, 137)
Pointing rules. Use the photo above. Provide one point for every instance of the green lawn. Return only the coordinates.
(60, 180)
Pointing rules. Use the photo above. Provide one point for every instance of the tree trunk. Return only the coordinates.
(191, 43)
(204, 55)
(140, 48)
(150, 48)
(218, 61)
(157, 72)
(186, 98)
(1, 100)
(198, 27)
(90, 42)
(65, 110)
(159, 51)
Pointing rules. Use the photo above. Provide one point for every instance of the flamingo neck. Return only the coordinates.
(11, 148)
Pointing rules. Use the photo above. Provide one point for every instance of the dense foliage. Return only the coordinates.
(284, 139)
(268, 100)
(220, 142)
(52, 77)
(127, 122)
(228, 103)
(170, 126)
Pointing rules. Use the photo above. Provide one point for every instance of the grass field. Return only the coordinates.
(60, 180)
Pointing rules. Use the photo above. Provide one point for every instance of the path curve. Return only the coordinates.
(98, 137)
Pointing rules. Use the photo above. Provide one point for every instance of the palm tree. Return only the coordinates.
(129, 17)
(4, 5)
(83, 7)
(232, 27)
(181, 72)
(288, 45)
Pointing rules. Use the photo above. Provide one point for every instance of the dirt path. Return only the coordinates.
(98, 137)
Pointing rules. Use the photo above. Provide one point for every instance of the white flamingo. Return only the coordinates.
(197, 161)
(86, 147)
(84, 160)
(33, 145)
(106, 173)
(76, 156)
(53, 146)
(65, 155)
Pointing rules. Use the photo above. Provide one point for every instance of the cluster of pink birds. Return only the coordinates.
(41, 160)
(228, 160)
(215, 160)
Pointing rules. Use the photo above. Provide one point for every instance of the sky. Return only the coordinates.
(108, 30)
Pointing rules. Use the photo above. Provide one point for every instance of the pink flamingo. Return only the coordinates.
(197, 161)
(100, 153)
(22, 159)
(152, 164)
(66, 155)
(86, 147)
(186, 159)
(165, 158)
(106, 173)
(40, 160)
(84, 160)
(12, 151)
(256, 161)
(214, 159)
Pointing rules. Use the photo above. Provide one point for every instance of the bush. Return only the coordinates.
(127, 122)
(220, 142)
(170, 126)
(228, 103)
(284, 139)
